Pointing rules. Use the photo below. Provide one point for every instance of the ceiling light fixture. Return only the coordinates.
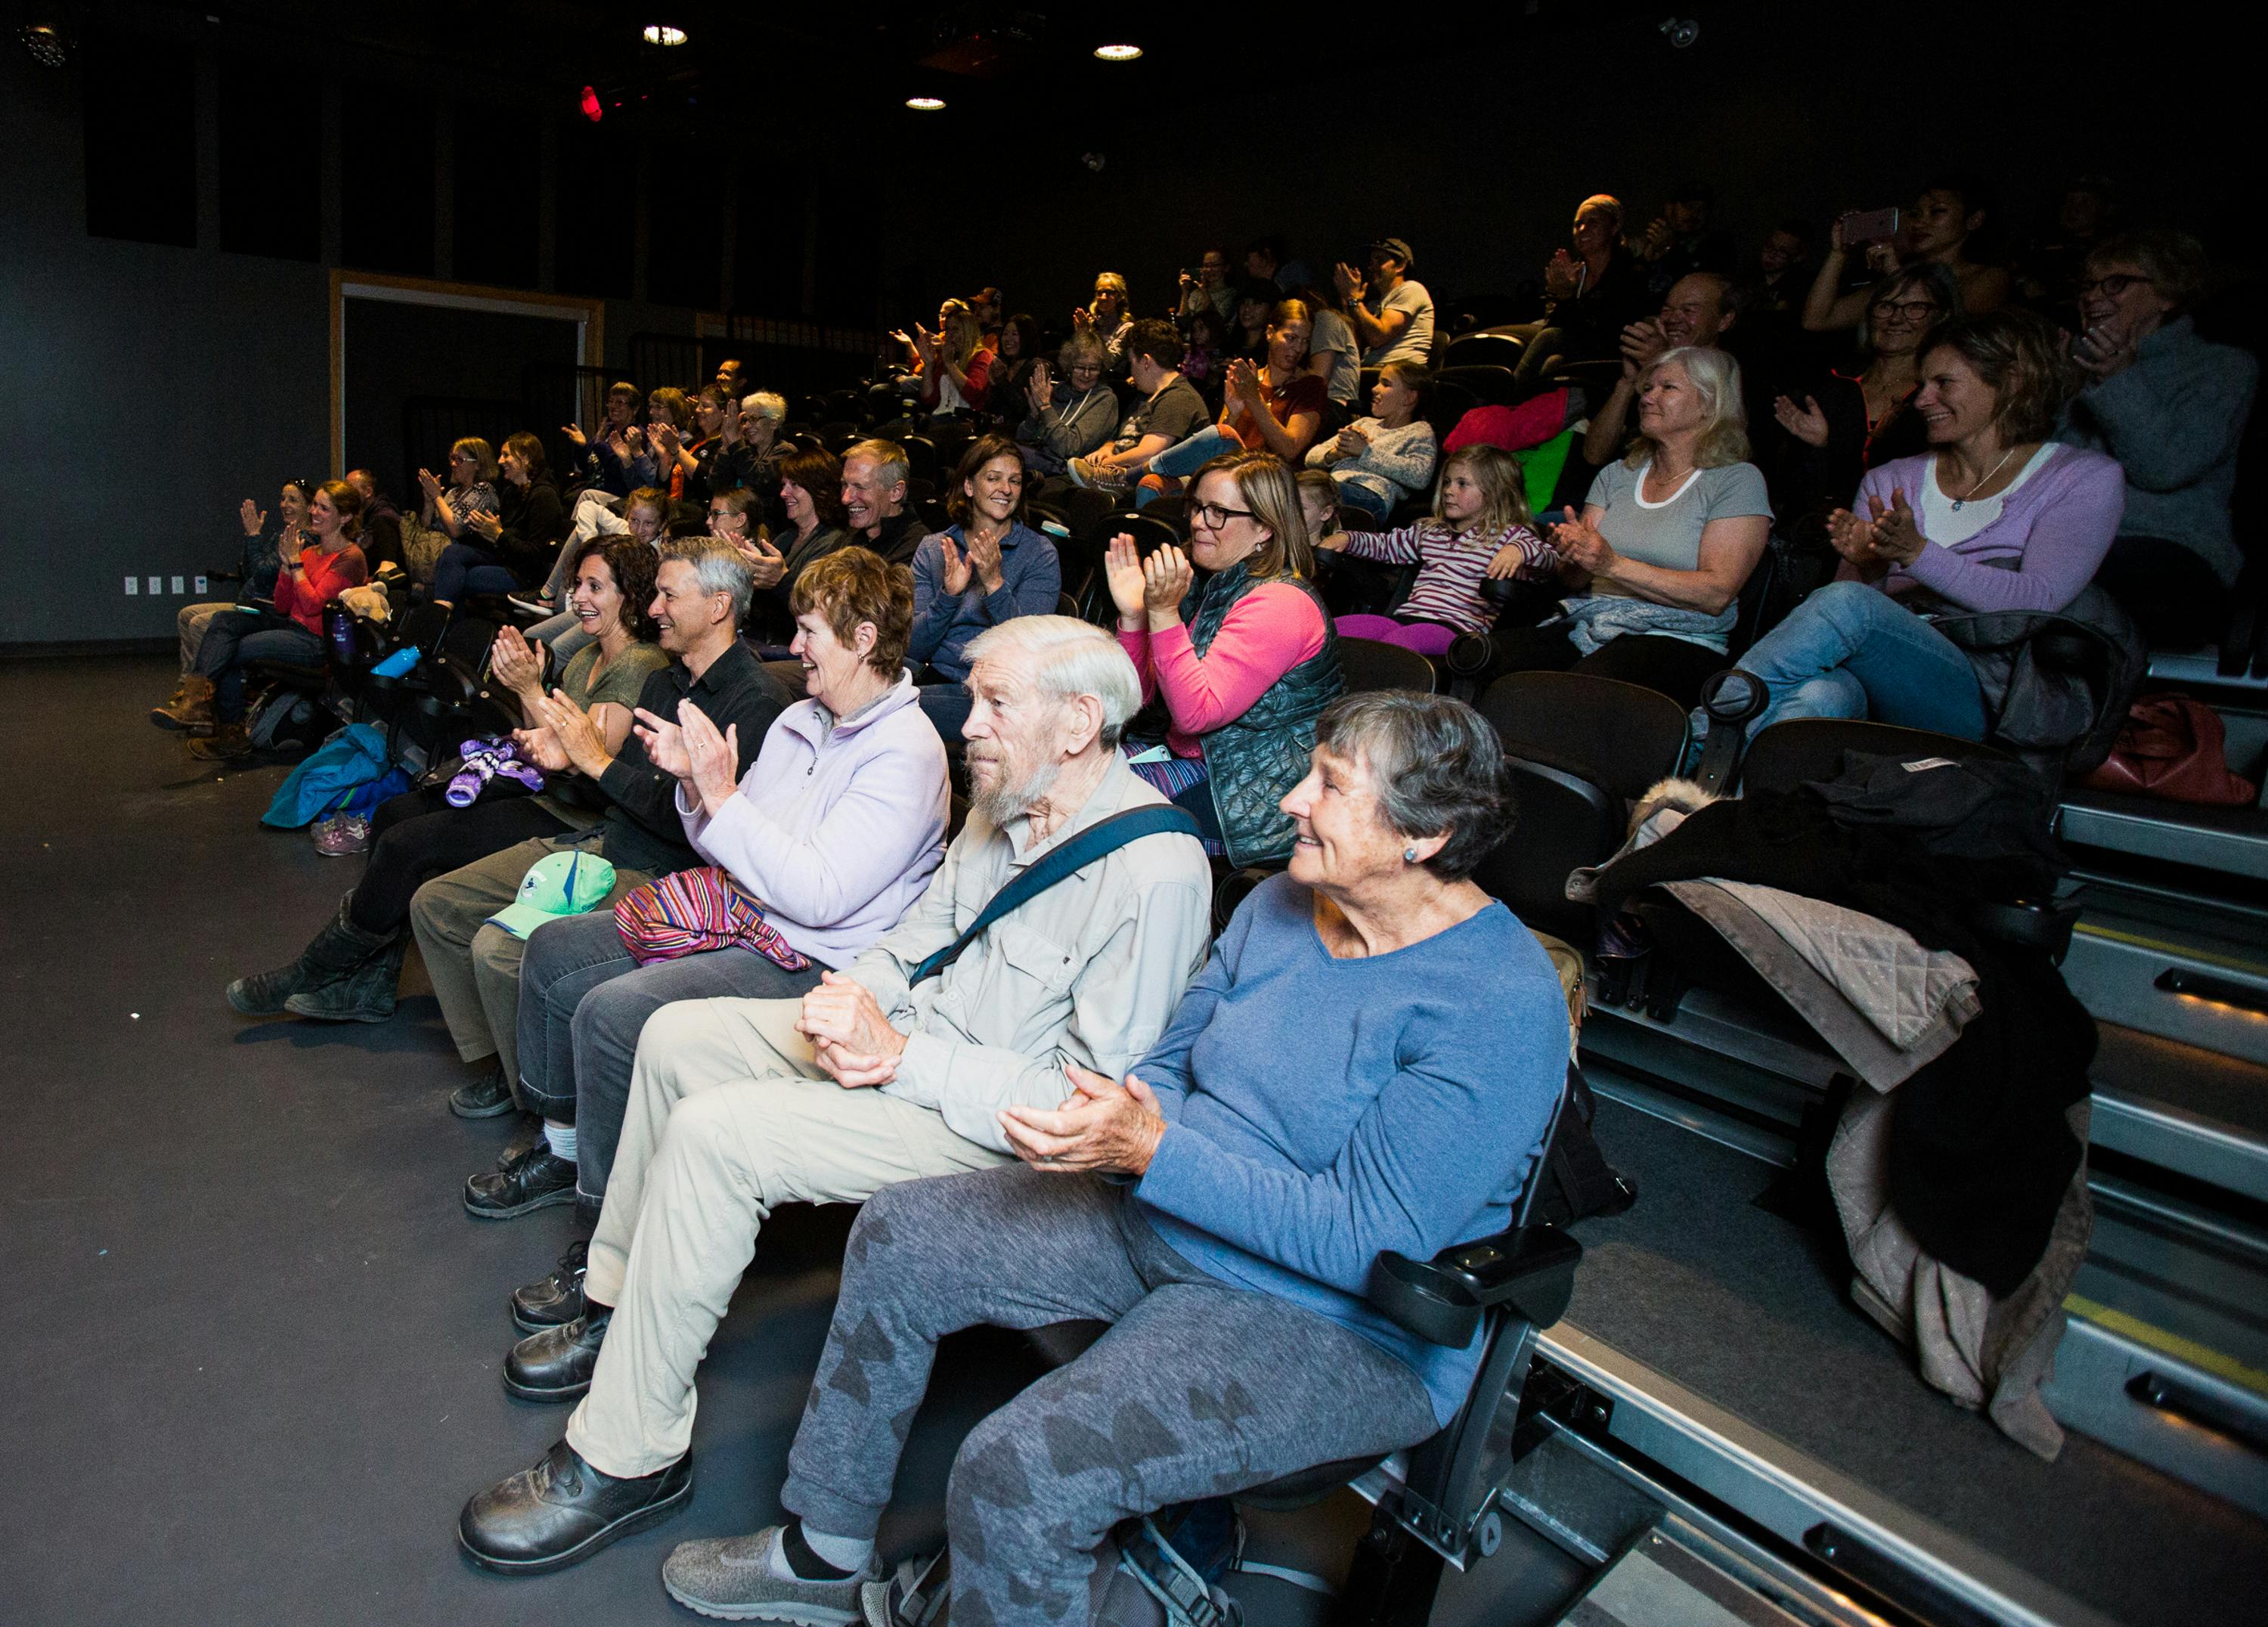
(47, 44)
(926, 104)
(662, 33)
(1118, 52)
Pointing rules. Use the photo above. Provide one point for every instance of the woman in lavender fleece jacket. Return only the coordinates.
(835, 826)
(1994, 518)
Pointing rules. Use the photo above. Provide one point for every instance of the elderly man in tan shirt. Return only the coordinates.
(738, 1106)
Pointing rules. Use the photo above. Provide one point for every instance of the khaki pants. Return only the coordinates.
(476, 967)
(729, 1116)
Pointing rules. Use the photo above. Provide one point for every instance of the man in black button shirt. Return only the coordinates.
(873, 501)
(701, 595)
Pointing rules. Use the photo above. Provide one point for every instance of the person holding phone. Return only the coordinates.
(1937, 230)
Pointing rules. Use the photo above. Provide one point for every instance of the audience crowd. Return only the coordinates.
(864, 852)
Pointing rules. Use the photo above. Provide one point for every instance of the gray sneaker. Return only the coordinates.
(730, 1579)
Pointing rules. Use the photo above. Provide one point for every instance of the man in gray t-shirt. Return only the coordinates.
(1391, 315)
(1170, 410)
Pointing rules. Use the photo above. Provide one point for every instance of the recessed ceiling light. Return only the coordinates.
(47, 44)
(662, 33)
(926, 104)
(1118, 52)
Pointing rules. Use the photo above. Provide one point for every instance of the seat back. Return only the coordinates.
(1149, 533)
(1483, 350)
(1799, 749)
(1492, 383)
(1369, 664)
(1579, 749)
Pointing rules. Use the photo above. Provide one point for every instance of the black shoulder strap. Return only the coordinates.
(1105, 835)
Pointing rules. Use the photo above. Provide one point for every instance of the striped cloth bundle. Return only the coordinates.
(688, 912)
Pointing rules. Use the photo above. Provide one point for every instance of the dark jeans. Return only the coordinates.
(1676, 668)
(583, 1003)
(945, 702)
(2174, 596)
(417, 835)
(235, 638)
(467, 568)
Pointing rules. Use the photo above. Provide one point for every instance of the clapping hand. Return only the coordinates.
(1807, 424)
(1643, 341)
(1559, 275)
(714, 759)
(429, 484)
(1889, 536)
(515, 664)
(851, 1038)
(1243, 382)
(577, 734)
(766, 563)
(1081, 318)
(2103, 349)
(254, 517)
(487, 524)
(1139, 586)
(984, 558)
(1581, 544)
(1656, 241)
(1350, 282)
(574, 433)
(1102, 1126)
(663, 742)
(540, 747)
(1351, 443)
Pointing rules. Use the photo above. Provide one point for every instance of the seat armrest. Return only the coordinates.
(1530, 1269)
(2032, 923)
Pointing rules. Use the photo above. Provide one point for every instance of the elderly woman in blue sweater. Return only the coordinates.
(1368, 1062)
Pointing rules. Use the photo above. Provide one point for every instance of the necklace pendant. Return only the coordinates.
(1958, 502)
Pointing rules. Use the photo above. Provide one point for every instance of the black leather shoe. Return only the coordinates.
(563, 1511)
(534, 1180)
(556, 1299)
(484, 1098)
(556, 1364)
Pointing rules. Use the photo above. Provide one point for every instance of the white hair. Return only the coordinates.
(768, 402)
(1069, 657)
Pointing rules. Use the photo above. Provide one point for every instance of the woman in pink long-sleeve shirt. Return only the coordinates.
(312, 577)
(1252, 668)
(1995, 517)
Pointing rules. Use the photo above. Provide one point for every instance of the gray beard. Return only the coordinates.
(1007, 801)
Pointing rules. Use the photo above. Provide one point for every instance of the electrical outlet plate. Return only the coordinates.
(133, 587)
(156, 586)
(178, 589)
(200, 584)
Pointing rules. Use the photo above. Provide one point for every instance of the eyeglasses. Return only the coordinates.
(1215, 517)
(2116, 283)
(1910, 310)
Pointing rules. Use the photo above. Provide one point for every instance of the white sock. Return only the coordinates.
(844, 1553)
(562, 1137)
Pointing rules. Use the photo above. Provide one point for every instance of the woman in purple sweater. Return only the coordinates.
(1994, 518)
(835, 829)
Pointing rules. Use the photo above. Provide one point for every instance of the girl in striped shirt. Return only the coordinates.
(1480, 529)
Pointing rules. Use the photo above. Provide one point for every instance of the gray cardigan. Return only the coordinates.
(2173, 417)
(1072, 427)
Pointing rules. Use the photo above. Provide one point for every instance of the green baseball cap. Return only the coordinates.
(567, 883)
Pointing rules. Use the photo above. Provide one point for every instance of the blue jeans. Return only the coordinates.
(1186, 457)
(945, 703)
(465, 567)
(583, 1003)
(234, 638)
(1380, 509)
(1851, 651)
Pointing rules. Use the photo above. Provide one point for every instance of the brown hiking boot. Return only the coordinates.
(191, 708)
(229, 741)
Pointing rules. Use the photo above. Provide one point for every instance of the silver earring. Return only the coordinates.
(1408, 855)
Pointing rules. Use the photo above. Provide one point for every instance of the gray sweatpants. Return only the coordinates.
(1199, 1390)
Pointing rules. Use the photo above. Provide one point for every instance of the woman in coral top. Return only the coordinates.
(1244, 664)
(318, 564)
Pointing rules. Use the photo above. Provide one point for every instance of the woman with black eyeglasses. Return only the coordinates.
(1854, 418)
(1244, 664)
(2171, 408)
